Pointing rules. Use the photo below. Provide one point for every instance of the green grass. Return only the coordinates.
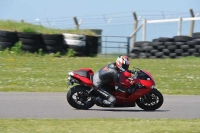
(100, 125)
(34, 73)
(24, 27)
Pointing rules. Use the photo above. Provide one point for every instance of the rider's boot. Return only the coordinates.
(97, 100)
(108, 99)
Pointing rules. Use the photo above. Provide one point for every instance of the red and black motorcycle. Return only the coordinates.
(145, 96)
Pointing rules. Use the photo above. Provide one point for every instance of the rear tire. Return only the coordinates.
(151, 101)
(79, 98)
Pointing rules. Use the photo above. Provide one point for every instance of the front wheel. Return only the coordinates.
(79, 98)
(151, 101)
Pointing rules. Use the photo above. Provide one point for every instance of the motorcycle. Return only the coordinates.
(146, 96)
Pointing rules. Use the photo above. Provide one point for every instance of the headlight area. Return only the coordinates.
(152, 86)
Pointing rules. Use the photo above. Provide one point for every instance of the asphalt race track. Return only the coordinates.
(54, 105)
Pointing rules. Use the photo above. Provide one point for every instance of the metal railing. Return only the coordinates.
(122, 43)
(179, 20)
(114, 45)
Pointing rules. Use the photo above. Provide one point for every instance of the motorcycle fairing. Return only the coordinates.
(146, 79)
(129, 98)
(85, 75)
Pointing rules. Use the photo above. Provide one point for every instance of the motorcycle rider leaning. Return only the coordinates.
(110, 73)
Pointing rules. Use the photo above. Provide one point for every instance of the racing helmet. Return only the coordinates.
(123, 62)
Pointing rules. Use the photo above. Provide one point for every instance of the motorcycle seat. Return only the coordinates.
(82, 73)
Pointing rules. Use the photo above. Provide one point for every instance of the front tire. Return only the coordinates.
(151, 101)
(79, 98)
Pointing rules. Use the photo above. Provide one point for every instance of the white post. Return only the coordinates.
(144, 30)
(192, 23)
(179, 26)
(135, 28)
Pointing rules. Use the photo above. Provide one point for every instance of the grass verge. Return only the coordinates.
(21, 27)
(100, 125)
(36, 73)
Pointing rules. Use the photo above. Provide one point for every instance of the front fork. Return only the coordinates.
(91, 90)
(147, 96)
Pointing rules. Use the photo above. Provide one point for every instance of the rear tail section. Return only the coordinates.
(81, 76)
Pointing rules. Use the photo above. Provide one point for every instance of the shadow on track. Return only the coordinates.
(126, 110)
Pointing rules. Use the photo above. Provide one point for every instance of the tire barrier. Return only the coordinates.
(50, 43)
(31, 42)
(196, 35)
(163, 47)
(7, 39)
(53, 43)
(74, 37)
(75, 42)
(92, 43)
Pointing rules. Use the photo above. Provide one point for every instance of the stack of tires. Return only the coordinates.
(53, 43)
(196, 38)
(92, 43)
(139, 50)
(160, 47)
(75, 42)
(183, 47)
(31, 42)
(164, 47)
(7, 39)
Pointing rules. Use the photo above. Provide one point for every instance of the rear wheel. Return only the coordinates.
(151, 101)
(79, 98)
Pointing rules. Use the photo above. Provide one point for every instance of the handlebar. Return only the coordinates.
(134, 71)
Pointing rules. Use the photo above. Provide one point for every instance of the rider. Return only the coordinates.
(110, 73)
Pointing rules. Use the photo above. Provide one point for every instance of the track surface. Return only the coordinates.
(54, 105)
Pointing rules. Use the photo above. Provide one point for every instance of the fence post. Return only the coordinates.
(192, 22)
(106, 45)
(128, 45)
(76, 23)
(135, 27)
(144, 30)
(179, 25)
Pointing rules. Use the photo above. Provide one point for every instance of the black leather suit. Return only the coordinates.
(107, 74)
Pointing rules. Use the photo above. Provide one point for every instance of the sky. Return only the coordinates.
(113, 17)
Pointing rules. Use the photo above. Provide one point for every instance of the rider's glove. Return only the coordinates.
(139, 85)
(130, 71)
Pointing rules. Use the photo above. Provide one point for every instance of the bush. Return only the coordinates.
(57, 54)
(17, 48)
(71, 53)
(29, 30)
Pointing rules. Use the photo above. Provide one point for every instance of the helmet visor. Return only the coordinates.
(125, 66)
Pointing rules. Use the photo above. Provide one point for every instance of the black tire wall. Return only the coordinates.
(53, 43)
(164, 47)
(49, 43)
(91, 45)
(7, 39)
(31, 42)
